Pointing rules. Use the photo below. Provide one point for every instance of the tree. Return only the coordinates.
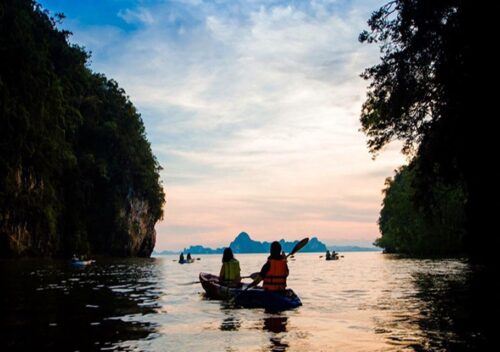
(409, 228)
(422, 93)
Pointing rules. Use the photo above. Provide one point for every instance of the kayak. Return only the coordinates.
(255, 297)
(186, 261)
(81, 263)
(333, 258)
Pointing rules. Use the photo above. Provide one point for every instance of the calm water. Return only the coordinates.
(363, 302)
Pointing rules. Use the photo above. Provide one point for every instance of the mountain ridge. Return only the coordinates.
(243, 243)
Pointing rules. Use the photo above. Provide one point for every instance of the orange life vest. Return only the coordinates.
(275, 279)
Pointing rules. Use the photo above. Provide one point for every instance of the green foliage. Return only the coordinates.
(407, 227)
(73, 149)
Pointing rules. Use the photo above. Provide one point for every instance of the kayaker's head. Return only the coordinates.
(228, 255)
(275, 250)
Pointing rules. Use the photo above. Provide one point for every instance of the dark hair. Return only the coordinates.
(276, 249)
(228, 255)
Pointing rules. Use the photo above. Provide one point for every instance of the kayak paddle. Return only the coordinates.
(298, 246)
(251, 276)
(258, 279)
(190, 283)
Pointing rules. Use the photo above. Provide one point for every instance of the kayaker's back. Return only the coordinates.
(275, 271)
(230, 273)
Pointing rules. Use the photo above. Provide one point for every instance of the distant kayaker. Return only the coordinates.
(188, 256)
(181, 258)
(275, 271)
(230, 273)
(328, 255)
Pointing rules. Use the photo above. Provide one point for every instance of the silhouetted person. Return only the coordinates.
(328, 255)
(181, 258)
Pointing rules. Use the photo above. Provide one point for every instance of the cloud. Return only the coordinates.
(139, 15)
(253, 111)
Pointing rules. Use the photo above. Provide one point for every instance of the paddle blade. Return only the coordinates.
(189, 283)
(299, 246)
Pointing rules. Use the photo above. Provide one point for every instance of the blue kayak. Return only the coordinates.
(81, 263)
(255, 297)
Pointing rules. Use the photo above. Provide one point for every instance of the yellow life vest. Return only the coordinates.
(230, 271)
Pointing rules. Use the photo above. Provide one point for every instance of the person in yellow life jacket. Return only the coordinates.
(275, 271)
(230, 271)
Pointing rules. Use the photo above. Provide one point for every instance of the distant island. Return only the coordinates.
(244, 244)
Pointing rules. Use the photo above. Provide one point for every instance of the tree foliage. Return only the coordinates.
(410, 228)
(73, 148)
(422, 93)
(411, 89)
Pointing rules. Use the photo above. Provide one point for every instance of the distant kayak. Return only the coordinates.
(253, 298)
(186, 261)
(81, 263)
(332, 258)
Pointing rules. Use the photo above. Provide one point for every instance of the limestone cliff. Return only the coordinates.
(141, 228)
(77, 173)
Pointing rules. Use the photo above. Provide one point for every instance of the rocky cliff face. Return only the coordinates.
(137, 238)
(18, 235)
(15, 240)
(141, 228)
(132, 233)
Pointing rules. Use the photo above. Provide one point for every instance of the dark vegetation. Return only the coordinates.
(411, 228)
(424, 94)
(73, 149)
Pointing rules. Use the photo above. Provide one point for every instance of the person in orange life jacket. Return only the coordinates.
(275, 271)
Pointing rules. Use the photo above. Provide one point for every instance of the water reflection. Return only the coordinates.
(276, 325)
(56, 307)
(230, 323)
(364, 302)
(459, 309)
(437, 305)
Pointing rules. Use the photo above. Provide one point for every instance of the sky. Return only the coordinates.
(252, 109)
